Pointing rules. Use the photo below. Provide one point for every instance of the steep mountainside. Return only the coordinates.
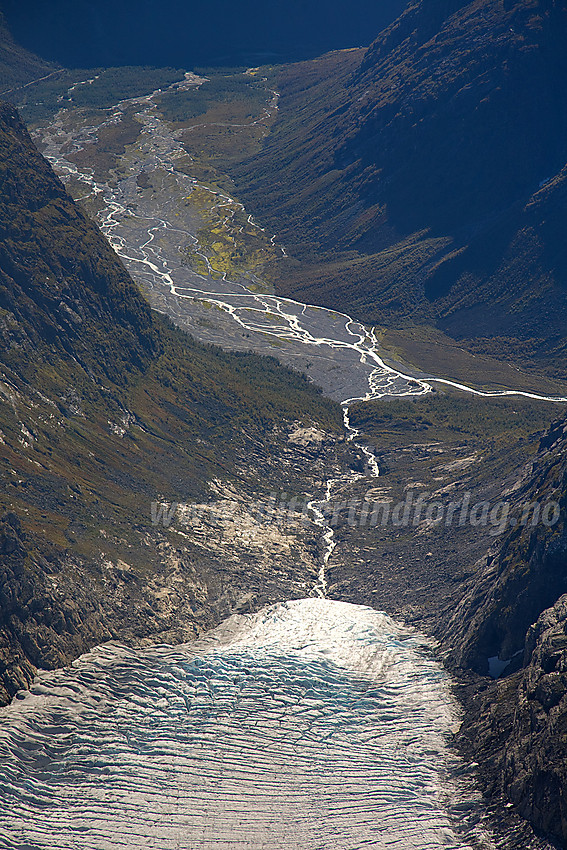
(17, 65)
(104, 409)
(515, 608)
(494, 594)
(425, 177)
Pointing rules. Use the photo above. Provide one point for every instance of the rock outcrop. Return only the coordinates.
(525, 572)
(515, 612)
(534, 765)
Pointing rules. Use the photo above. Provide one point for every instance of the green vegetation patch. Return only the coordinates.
(111, 85)
(501, 433)
(453, 418)
(181, 107)
(90, 88)
(231, 244)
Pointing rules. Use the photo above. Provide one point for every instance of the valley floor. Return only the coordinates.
(202, 260)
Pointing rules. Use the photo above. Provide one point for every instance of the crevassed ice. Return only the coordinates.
(312, 724)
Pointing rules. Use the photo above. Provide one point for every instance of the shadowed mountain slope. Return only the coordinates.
(515, 609)
(424, 177)
(17, 65)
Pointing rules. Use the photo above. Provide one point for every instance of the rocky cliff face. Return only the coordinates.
(516, 729)
(534, 769)
(524, 573)
(107, 414)
(60, 281)
(515, 610)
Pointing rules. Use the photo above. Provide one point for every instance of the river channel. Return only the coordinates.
(311, 725)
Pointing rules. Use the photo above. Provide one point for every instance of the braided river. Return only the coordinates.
(310, 725)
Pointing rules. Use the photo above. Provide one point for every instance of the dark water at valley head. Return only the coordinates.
(83, 34)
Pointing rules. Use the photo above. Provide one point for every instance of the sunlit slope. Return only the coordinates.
(104, 408)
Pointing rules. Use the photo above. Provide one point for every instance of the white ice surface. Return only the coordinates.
(312, 724)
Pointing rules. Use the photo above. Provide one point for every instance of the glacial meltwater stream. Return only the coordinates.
(311, 725)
